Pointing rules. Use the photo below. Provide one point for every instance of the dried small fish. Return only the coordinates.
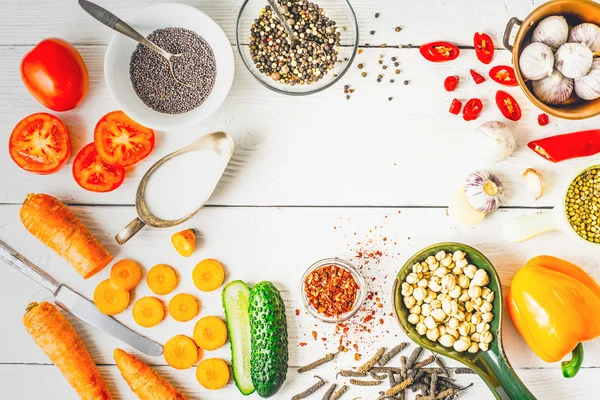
(433, 386)
(358, 382)
(329, 392)
(464, 371)
(386, 370)
(340, 392)
(413, 357)
(377, 376)
(399, 387)
(425, 362)
(366, 367)
(440, 364)
(310, 390)
(392, 353)
(347, 373)
(328, 357)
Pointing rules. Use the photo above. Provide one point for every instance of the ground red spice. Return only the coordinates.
(297, 311)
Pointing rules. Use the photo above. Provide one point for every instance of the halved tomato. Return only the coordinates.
(40, 143)
(93, 174)
(504, 74)
(121, 141)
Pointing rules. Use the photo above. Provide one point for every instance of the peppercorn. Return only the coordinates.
(396, 64)
(379, 76)
(393, 58)
(377, 15)
(384, 67)
(398, 29)
(397, 71)
(406, 82)
(360, 66)
(363, 74)
(372, 32)
(390, 98)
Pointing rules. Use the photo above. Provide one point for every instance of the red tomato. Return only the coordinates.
(484, 47)
(504, 75)
(55, 74)
(121, 141)
(439, 51)
(477, 77)
(472, 109)
(40, 143)
(450, 83)
(455, 106)
(508, 106)
(543, 119)
(91, 173)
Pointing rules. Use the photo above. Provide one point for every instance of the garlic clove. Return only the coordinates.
(588, 87)
(534, 182)
(573, 60)
(552, 31)
(536, 61)
(484, 191)
(461, 209)
(586, 33)
(493, 142)
(554, 89)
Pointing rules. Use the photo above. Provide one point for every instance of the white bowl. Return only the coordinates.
(165, 15)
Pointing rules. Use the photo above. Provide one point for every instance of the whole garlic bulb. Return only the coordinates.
(484, 191)
(536, 61)
(493, 142)
(554, 89)
(573, 60)
(588, 34)
(552, 31)
(588, 87)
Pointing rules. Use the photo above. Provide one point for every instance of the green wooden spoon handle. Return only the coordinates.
(504, 382)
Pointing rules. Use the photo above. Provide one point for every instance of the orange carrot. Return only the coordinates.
(146, 383)
(183, 307)
(161, 279)
(213, 373)
(148, 312)
(125, 275)
(181, 352)
(184, 242)
(208, 275)
(109, 300)
(57, 227)
(53, 333)
(210, 333)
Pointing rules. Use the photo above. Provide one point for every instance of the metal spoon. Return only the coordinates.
(284, 22)
(112, 21)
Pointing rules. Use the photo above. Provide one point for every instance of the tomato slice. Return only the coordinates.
(484, 47)
(450, 83)
(472, 109)
(455, 106)
(477, 77)
(40, 143)
(439, 51)
(504, 75)
(121, 141)
(508, 106)
(93, 174)
(543, 119)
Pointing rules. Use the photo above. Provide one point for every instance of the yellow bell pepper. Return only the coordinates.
(555, 305)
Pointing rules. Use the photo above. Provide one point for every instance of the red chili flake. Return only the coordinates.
(314, 335)
(297, 311)
(450, 83)
(302, 344)
(324, 339)
(543, 119)
(357, 357)
(478, 78)
(368, 318)
(455, 106)
(381, 321)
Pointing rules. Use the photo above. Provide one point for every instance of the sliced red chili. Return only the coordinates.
(477, 77)
(569, 145)
(508, 105)
(543, 119)
(439, 51)
(484, 47)
(450, 83)
(472, 109)
(455, 106)
(504, 75)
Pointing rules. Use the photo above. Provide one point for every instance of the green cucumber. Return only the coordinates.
(268, 329)
(236, 302)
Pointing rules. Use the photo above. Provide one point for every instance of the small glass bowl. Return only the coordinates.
(338, 10)
(360, 295)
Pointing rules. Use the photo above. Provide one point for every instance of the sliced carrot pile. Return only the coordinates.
(161, 279)
(208, 275)
(109, 300)
(125, 275)
(210, 333)
(181, 352)
(184, 242)
(213, 373)
(183, 307)
(148, 311)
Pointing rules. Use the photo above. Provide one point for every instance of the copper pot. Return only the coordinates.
(576, 12)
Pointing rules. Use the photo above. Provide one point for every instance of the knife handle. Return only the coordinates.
(21, 264)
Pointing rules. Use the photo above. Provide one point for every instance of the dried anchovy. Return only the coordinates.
(329, 392)
(441, 395)
(390, 354)
(413, 357)
(366, 367)
(377, 376)
(433, 385)
(364, 383)
(328, 357)
(399, 387)
(346, 373)
(464, 371)
(440, 363)
(386, 370)
(425, 362)
(310, 390)
(340, 392)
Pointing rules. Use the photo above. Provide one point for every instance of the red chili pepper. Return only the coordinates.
(567, 146)
(543, 119)
(504, 75)
(439, 51)
(508, 105)
(472, 109)
(455, 106)
(478, 78)
(484, 47)
(450, 83)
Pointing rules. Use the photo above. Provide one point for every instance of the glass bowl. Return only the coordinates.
(338, 10)
(360, 295)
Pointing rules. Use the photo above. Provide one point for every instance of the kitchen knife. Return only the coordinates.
(76, 304)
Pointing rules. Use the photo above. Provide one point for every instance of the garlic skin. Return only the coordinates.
(554, 89)
(534, 182)
(588, 87)
(573, 60)
(536, 61)
(460, 209)
(552, 31)
(586, 33)
(484, 191)
(493, 142)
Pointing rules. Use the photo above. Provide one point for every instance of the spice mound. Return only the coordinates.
(449, 302)
(331, 290)
(582, 205)
(307, 59)
(151, 77)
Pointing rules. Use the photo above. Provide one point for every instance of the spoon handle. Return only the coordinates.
(502, 379)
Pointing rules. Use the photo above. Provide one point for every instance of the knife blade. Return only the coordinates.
(71, 301)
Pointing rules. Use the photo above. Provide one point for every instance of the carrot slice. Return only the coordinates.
(210, 333)
(181, 352)
(184, 242)
(148, 311)
(213, 373)
(183, 307)
(109, 300)
(125, 275)
(208, 275)
(161, 279)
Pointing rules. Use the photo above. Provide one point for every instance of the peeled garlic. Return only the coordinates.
(484, 191)
(552, 31)
(534, 182)
(588, 34)
(554, 89)
(573, 60)
(536, 61)
(588, 87)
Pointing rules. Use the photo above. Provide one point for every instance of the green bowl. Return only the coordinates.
(492, 365)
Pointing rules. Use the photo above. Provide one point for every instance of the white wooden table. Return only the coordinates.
(318, 177)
